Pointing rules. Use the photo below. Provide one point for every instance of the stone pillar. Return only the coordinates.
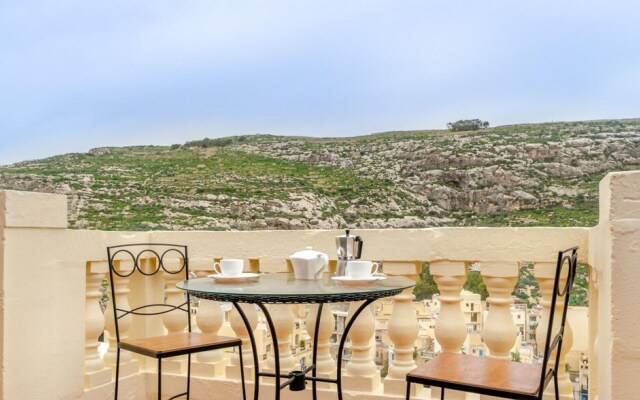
(283, 320)
(361, 373)
(499, 332)
(128, 365)
(403, 332)
(544, 273)
(42, 301)
(450, 329)
(95, 372)
(614, 253)
(233, 369)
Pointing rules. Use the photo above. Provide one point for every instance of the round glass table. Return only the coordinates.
(285, 289)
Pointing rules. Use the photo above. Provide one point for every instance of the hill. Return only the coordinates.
(518, 175)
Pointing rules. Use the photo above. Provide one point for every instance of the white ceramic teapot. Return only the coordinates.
(308, 263)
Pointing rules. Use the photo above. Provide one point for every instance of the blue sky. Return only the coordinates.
(81, 74)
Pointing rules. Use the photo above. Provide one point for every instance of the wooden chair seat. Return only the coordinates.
(178, 344)
(469, 373)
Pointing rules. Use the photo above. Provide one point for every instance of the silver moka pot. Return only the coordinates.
(348, 247)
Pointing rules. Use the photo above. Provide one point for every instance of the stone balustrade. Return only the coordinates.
(360, 374)
(51, 278)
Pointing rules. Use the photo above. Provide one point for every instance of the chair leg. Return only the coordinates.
(442, 394)
(408, 390)
(555, 384)
(244, 394)
(188, 375)
(117, 372)
(159, 378)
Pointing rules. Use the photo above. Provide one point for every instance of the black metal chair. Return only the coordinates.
(156, 259)
(503, 378)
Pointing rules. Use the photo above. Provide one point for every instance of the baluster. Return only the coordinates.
(174, 321)
(128, 365)
(545, 274)
(95, 372)
(283, 320)
(361, 373)
(209, 319)
(233, 369)
(325, 364)
(499, 331)
(403, 331)
(450, 328)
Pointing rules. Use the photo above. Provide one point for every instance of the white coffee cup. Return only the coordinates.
(229, 267)
(357, 269)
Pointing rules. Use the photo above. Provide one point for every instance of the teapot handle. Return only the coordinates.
(325, 262)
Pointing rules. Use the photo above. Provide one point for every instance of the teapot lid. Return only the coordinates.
(307, 254)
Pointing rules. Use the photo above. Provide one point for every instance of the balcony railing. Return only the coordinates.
(51, 278)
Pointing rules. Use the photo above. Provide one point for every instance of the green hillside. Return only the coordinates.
(520, 175)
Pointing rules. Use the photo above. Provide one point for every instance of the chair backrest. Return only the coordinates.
(565, 271)
(147, 260)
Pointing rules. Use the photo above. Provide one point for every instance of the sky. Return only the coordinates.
(77, 74)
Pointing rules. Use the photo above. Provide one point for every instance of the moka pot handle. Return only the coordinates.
(358, 239)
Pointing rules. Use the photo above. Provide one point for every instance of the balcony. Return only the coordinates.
(51, 318)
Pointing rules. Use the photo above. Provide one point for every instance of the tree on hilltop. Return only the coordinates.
(467, 125)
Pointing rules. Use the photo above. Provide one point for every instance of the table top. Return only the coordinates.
(284, 288)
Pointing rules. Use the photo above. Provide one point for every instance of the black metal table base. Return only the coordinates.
(295, 380)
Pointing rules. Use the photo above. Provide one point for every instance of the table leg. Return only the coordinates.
(254, 349)
(342, 342)
(276, 349)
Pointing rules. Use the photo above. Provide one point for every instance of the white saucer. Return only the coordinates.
(244, 277)
(347, 280)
